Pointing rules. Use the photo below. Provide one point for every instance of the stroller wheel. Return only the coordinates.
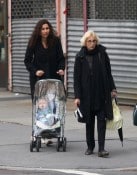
(64, 144)
(31, 146)
(58, 144)
(38, 144)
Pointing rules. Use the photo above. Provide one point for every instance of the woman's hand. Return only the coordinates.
(60, 72)
(39, 73)
(114, 93)
(77, 102)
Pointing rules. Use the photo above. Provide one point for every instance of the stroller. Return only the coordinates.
(48, 113)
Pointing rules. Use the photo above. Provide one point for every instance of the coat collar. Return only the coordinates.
(83, 50)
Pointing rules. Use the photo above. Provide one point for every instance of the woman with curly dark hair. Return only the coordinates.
(44, 55)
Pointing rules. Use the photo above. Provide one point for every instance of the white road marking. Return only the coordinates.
(69, 171)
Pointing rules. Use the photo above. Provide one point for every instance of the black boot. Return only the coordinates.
(89, 151)
(103, 153)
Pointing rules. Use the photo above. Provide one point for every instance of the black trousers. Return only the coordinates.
(101, 128)
(33, 80)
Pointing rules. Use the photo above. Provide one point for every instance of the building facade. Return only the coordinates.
(115, 21)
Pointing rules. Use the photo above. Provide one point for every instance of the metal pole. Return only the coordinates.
(63, 23)
(61, 13)
(85, 15)
(9, 47)
(58, 17)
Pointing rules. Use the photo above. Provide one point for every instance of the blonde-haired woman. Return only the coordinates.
(87, 35)
(93, 87)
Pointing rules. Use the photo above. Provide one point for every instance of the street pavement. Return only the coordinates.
(15, 133)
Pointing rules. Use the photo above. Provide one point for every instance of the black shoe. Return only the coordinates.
(88, 152)
(103, 153)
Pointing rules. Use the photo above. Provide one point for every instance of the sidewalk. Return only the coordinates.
(7, 95)
(22, 103)
(16, 122)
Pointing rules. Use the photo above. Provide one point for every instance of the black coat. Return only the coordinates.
(82, 86)
(50, 60)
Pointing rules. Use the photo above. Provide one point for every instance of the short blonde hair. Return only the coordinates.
(88, 34)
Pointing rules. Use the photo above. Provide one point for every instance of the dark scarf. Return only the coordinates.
(96, 79)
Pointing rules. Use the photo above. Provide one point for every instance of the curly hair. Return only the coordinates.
(36, 34)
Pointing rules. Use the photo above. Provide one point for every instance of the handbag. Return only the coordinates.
(117, 121)
(135, 115)
(79, 116)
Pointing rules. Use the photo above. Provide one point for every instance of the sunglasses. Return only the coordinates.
(91, 41)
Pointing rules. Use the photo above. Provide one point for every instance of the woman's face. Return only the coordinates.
(90, 43)
(45, 30)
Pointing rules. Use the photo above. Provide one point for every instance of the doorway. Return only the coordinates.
(3, 58)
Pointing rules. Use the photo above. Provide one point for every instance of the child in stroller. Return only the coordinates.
(46, 112)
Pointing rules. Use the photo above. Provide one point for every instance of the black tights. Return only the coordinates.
(101, 128)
